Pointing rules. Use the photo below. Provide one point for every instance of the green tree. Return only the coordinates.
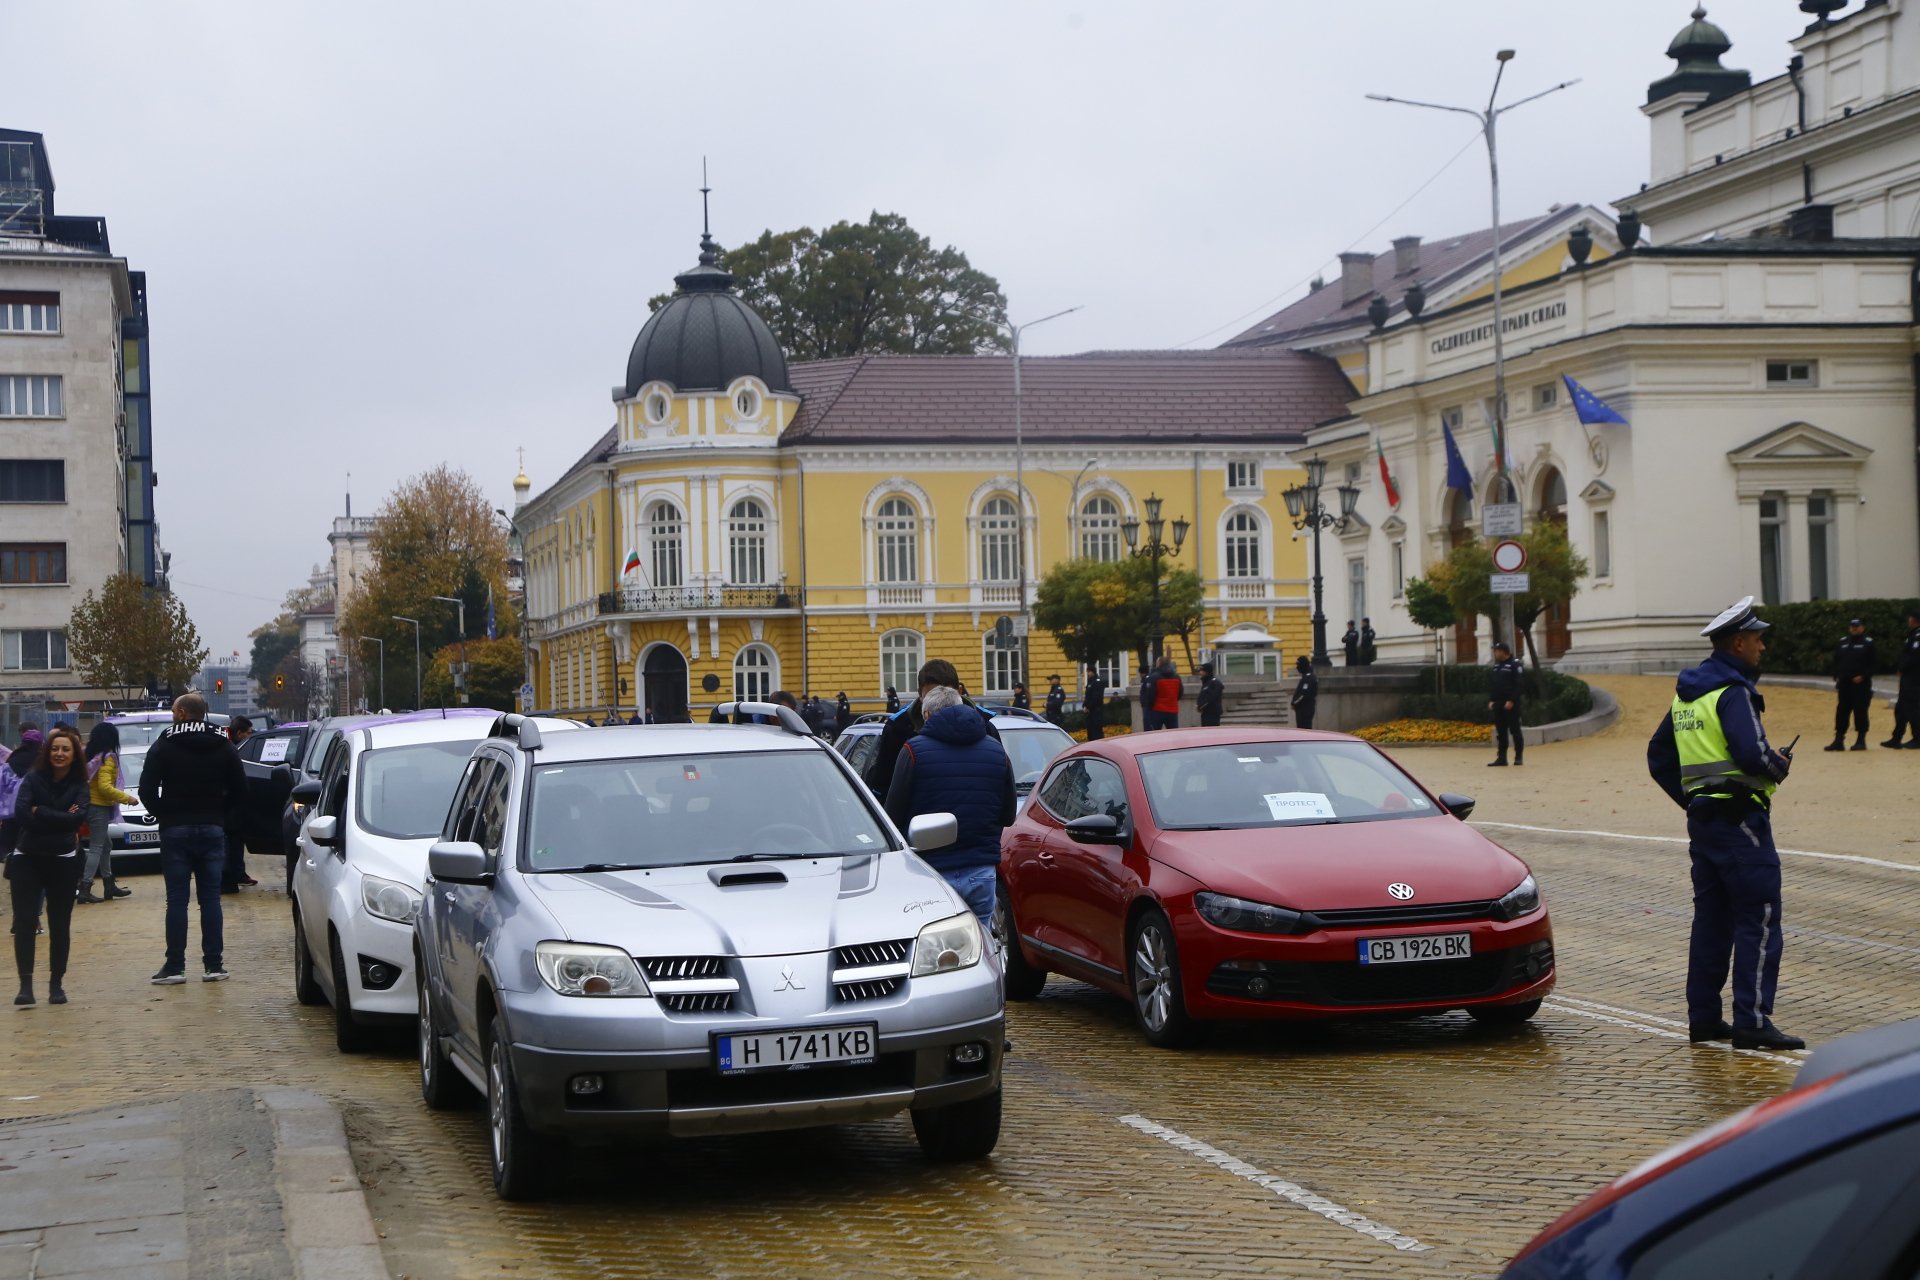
(495, 672)
(132, 636)
(1429, 609)
(273, 641)
(1554, 571)
(437, 536)
(1096, 608)
(861, 287)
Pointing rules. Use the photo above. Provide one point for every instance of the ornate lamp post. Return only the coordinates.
(1304, 508)
(1155, 550)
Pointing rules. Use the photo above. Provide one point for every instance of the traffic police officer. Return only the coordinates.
(1503, 699)
(1712, 756)
(1906, 708)
(1852, 686)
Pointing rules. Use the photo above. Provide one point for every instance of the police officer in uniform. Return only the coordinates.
(1211, 702)
(1305, 694)
(1852, 686)
(1906, 708)
(1503, 699)
(1712, 756)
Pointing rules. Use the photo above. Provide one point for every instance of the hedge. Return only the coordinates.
(1546, 696)
(1805, 633)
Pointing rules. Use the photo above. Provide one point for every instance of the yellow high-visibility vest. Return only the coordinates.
(1706, 763)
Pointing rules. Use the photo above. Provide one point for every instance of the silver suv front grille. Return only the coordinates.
(691, 984)
(871, 970)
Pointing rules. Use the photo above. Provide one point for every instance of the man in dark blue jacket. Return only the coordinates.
(191, 782)
(952, 766)
(1712, 757)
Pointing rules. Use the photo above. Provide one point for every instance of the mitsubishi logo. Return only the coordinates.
(790, 983)
(1400, 891)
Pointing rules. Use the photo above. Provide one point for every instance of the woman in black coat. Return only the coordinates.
(50, 808)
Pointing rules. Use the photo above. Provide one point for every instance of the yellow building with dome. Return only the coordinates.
(747, 524)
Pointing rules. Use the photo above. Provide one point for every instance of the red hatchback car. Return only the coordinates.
(1264, 873)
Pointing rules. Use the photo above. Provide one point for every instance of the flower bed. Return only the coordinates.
(1429, 732)
(1113, 731)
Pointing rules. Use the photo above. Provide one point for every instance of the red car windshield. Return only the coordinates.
(1277, 784)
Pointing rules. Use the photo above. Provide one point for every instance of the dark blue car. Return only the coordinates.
(1822, 1181)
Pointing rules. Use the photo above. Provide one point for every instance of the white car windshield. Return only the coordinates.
(665, 811)
(1031, 750)
(1272, 784)
(405, 792)
(131, 763)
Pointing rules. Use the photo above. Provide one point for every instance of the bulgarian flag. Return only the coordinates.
(633, 562)
(1386, 476)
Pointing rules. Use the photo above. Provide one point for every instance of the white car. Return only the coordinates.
(377, 806)
(135, 837)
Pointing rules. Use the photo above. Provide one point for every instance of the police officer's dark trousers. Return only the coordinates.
(1506, 724)
(1854, 702)
(1906, 709)
(1736, 912)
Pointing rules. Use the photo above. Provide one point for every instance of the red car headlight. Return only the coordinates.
(1245, 916)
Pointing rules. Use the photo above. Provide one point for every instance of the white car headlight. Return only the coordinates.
(389, 899)
(947, 945)
(584, 969)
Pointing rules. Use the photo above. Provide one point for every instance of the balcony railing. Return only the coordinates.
(696, 598)
(1247, 588)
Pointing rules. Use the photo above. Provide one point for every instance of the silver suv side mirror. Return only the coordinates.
(458, 862)
(324, 831)
(932, 831)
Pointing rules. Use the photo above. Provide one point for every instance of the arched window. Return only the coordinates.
(747, 543)
(1100, 529)
(663, 540)
(901, 653)
(1553, 494)
(999, 541)
(756, 672)
(1243, 545)
(896, 542)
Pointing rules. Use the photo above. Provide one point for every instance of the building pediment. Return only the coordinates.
(1799, 442)
(1597, 491)
(1393, 526)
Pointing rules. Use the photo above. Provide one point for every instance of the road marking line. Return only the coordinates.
(1614, 1008)
(1622, 835)
(1681, 1036)
(1290, 1191)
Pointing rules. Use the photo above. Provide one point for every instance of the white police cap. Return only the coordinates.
(1738, 617)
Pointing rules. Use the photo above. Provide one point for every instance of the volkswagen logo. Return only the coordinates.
(1400, 891)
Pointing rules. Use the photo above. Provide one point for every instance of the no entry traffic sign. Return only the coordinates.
(1509, 557)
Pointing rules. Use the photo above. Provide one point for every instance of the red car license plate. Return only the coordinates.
(1416, 947)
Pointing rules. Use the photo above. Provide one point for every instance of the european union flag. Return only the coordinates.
(1458, 477)
(1589, 407)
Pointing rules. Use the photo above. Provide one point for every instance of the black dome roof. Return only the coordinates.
(705, 337)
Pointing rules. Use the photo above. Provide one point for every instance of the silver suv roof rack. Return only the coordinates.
(518, 727)
(786, 717)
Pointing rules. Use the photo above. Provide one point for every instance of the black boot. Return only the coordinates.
(86, 894)
(1838, 744)
(111, 888)
(56, 994)
(1860, 743)
(26, 989)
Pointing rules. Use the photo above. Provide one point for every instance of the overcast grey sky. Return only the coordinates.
(379, 237)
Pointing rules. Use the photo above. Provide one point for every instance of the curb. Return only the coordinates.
(329, 1229)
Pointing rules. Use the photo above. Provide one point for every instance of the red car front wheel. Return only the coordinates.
(1153, 975)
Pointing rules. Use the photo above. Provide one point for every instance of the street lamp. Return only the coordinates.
(1488, 118)
(1155, 550)
(1306, 512)
(383, 667)
(416, 655)
(517, 548)
(460, 681)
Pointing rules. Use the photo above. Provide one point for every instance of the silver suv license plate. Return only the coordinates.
(735, 1055)
(1413, 948)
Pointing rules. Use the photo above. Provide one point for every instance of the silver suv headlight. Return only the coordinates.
(946, 946)
(389, 899)
(585, 969)
(1521, 900)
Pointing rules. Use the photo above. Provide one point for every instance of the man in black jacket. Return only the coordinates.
(1350, 643)
(1906, 707)
(908, 723)
(1503, 699)
(1852, 685)
(1211, 701)
(191, 782)
(1305, 694)
(1056, 704)
(1094, 702)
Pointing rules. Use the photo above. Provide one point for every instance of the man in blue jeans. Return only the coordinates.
(191, 784)
(952, 766)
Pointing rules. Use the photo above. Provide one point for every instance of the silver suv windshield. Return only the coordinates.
(664, 811)
(405, 791)
(1031, 750)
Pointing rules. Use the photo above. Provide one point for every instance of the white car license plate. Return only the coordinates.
(1416, 947)
(143, 837)
(794, 1050)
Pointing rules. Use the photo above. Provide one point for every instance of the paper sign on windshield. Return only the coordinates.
(1299, 804)
(274, 750)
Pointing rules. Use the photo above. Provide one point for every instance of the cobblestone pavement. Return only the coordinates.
(1433, 1147)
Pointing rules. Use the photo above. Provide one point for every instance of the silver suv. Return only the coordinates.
(691, 930)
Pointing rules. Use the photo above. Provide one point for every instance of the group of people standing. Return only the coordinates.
(59, 799)
(1853, 666)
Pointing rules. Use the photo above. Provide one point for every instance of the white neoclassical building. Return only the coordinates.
(1763, 350)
